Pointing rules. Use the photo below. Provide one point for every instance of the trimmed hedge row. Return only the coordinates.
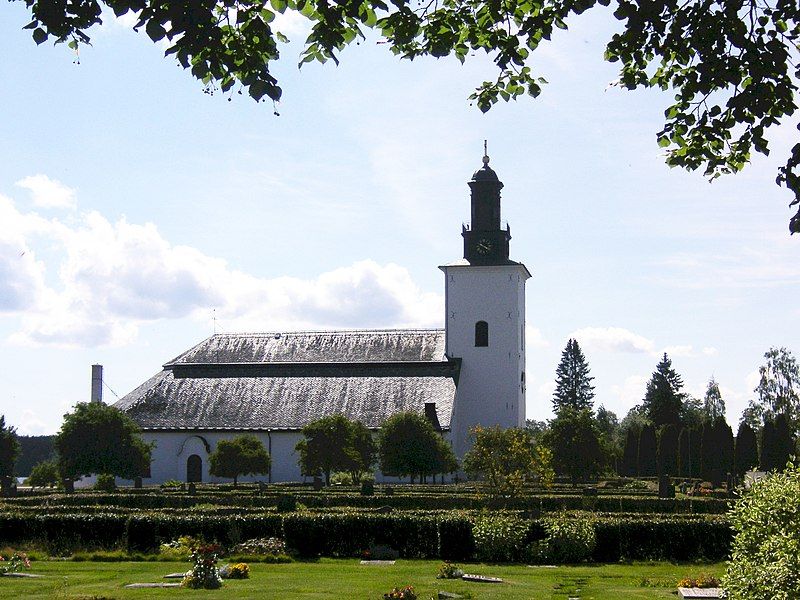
(533, 504)
(442, 535)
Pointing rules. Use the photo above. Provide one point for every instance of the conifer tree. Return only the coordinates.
(646, 462)
(668, 450)
(685, 453)
(746, 454)
(766, 458)
(663, 399)
(630, 454)
(784, 442)
(574, 387)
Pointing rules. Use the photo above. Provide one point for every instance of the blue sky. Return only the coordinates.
(134, 208)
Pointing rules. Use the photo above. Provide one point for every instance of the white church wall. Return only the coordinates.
(173, 449)
(490, 388)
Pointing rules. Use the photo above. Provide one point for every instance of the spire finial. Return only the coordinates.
(485, 153)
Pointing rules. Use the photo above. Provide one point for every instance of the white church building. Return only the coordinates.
(470, 373)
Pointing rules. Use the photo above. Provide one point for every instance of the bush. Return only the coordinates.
(105, 483)
(261, 546)
(765, 561)
(500, 538)
(456, 541)
(287, 503)
(570, 540)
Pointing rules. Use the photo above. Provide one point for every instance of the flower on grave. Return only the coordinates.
(14, 563)
(204, 573)
(235, 571)
(404, 593)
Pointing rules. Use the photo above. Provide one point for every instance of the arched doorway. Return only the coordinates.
(194, 469)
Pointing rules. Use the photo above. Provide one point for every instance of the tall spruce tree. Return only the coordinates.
(663, 398)
(746, 453)
(574, 387)
(646, 462)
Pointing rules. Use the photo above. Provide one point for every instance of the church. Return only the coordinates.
(270, 385)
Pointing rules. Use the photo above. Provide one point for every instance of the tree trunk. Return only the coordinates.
(235, 478)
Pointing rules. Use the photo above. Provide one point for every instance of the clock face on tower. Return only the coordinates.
(484, 246)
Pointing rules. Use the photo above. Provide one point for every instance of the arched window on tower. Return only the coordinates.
(481, 333)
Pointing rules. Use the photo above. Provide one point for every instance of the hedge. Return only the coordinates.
(533, 504)
(446, 535)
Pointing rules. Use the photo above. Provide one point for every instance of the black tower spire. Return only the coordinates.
(485, 242)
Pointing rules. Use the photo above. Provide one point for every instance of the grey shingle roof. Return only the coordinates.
(391, 345)
(260, 381)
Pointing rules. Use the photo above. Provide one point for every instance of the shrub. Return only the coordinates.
(765, 562)
(235, 571)
(456, 541)
(500, 538)
(287, 503)
(180, 549)
(105, 483)
(570, 540)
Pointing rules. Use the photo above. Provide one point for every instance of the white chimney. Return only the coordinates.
(97, 383)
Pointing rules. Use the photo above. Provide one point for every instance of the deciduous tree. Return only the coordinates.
(335, 443)
(728, 65)
(506, 459)
(43, 474)
(243, 455)
(574, 441)
(99, 439)
(409, 446)
(713, 404)
(778, 390)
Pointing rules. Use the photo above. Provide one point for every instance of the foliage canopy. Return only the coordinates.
(335, 443)
(409, 445)
(663, 400)
(765, 562)
(728, 63)
(507, 459)
(9, 448)
(243, 455)
(97, 438)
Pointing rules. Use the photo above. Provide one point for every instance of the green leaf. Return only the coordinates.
(154, 30)
(39, 35)
(278, 5)
(663, 142)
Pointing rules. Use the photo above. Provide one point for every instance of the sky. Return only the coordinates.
(138, 215)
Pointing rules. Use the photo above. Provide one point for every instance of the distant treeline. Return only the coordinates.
(33, 450)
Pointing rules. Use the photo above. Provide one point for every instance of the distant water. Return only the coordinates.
(20, 480)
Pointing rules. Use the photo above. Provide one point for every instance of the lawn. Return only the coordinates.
(347, 579)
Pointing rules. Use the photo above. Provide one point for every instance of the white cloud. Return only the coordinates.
(48, 193)
(710, 351)
(612, 339)
(680, 351)
(112, 277)
(630, 392)
(534, 338)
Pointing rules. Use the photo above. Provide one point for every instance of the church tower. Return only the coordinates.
(485, 319)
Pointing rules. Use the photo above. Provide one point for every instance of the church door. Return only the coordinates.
(194, 469)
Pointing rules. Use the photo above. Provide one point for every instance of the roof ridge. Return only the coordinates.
(327, 331)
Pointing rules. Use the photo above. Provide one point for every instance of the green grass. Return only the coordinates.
(347, 579)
